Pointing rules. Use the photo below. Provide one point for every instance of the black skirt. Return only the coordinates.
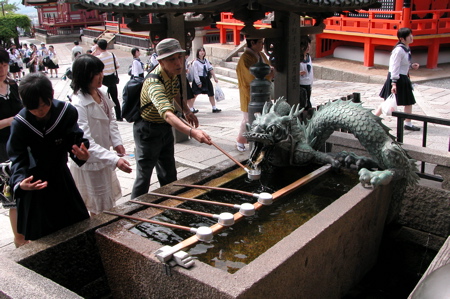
(405, 94)
(207, 87)
(14, 68)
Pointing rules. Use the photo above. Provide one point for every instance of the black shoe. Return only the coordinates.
(411, 128)
(216, 110)
(120, 119)
(194, 110)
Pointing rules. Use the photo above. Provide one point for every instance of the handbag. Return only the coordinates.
(115, 68)
(219, 95)
(389, 105)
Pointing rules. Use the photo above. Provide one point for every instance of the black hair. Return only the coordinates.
(84, 68)
(250, 40)
(102, 44)
(198, 51)
(4, 56)
(76, 42)
(404, 33)
(34, 87)
(95, 40)
(133, 51)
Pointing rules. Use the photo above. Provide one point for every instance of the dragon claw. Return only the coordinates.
(374, 178)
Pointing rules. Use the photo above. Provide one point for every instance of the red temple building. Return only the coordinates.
(376, 29)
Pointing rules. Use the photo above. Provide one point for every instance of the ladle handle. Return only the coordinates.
(192, 199)
(229, 156)
(210, 215)
(219, 148)
(215, 188)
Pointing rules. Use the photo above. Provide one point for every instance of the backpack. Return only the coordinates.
(131, 98)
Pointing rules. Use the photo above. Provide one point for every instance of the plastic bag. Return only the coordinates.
(218, 93)
(389, 105)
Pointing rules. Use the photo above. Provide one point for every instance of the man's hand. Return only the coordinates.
(191, 119)
(200, 136)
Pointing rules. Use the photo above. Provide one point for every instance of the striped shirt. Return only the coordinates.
(107, 59)
(161, 95)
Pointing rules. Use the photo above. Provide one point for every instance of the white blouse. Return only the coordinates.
(198, 68)
(399, 63)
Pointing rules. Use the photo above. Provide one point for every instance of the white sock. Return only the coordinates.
(408, 123)
(214, 107)
(240, 144)
(192, 109)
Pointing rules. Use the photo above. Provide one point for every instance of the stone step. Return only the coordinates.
(224, 71)
(227, 79)
(231, 64)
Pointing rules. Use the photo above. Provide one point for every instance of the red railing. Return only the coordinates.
(389, 25)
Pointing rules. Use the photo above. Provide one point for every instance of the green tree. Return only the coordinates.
(8, 28)
(7, 7)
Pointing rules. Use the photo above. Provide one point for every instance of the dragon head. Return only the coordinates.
(271, 130)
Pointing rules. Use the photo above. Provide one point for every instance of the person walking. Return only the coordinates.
(96, 179)
(137, 67)
(202, 71)
(110, 75)
(398, 81)
(53, 62)
(252, 54)
(76, 49)
(160, 98)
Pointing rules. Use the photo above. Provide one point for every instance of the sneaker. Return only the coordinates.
(411, 128)
(240, 147)
(216, 110)
(51, 76)
(194, 110)
(56, 76)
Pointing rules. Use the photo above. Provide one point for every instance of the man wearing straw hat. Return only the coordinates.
(160, 97)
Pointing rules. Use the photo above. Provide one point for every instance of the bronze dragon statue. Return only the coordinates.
(280, 139)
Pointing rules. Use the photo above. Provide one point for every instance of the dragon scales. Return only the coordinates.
(280, 139)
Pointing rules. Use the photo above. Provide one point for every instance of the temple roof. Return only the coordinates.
(128, 7)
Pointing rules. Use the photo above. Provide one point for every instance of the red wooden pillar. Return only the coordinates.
(236, 36)
(433, 54)
(222, 34)
(369, 52)
(318, 41)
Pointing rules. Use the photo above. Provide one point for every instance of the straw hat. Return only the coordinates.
(168, 47)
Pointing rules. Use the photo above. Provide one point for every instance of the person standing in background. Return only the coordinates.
(398, 81)
(76, 49)
(306, 73)
(252, 54)
(109, 75)
(137, 67)
(201, 84)
(53, 62)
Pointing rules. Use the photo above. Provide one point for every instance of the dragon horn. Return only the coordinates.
(266, 107)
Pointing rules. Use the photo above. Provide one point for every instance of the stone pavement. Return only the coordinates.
(223, 127)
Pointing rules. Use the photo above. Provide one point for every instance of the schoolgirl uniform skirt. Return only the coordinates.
(405, 94)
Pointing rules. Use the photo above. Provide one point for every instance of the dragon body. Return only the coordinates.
(280, 139)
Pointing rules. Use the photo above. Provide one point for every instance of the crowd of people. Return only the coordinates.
(39, 133)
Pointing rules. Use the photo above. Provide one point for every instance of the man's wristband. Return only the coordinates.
(190, 133)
